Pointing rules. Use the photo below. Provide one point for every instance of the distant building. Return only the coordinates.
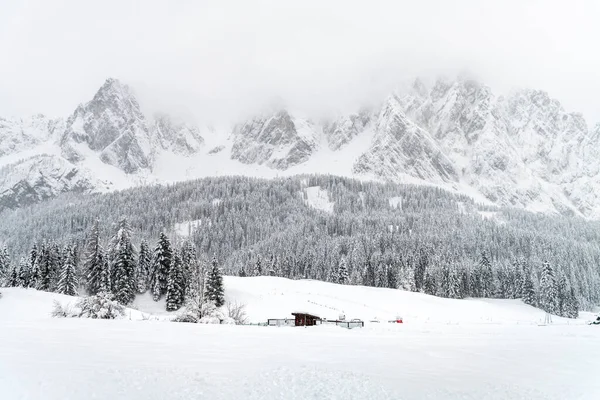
(306, 319)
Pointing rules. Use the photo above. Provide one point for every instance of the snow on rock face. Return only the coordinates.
(344, 129)
(112, 124)
(521, 151)
(279, 141)
(401, 147)
(178, 137)
(318, 198)
(18, 134)
(39, 178)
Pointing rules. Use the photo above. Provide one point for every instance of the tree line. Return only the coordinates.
(434, 236)
(175, 274)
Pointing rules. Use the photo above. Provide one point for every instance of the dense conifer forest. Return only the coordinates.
(398, 236)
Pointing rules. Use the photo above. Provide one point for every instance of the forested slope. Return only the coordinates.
(413, 237)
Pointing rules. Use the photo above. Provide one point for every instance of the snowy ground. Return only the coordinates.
(452, 353)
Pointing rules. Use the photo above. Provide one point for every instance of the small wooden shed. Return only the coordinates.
(306, 319)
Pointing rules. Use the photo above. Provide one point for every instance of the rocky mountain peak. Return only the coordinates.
(277, 140)
(113, 124)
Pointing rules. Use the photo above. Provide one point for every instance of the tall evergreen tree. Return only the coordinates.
(487, 276)
(420, 268)
(429, 283)
(24, 273)
(67, 282)
(96, 274)
(215, 291)
(13, 277)
(161, 264)
(342, 272)
(528, 293)
(273, 266)
(123, 264)
(548, 290)
(45, 269)
(175, 282)
(258, 270)
(188, 263)
(454, 282)
(518, 280)
(571, 309)
(475, 282)
(34, 268)
(562, 294)
(144, 267)
(5, 268)
(406, 279)
(56, 264)
(369, 277)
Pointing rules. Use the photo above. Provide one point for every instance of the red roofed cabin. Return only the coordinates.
(304, 319)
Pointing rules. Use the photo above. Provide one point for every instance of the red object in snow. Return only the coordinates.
(399, 321)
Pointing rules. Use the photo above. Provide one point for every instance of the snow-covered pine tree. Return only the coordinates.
(420, 268)
(369, 274)
(463, 276)
(123, 264)
(188, 263)
(45, 269)
(273, 266)
(161, 264)
(392, 276)
(571, 307)
(454, 282)
(215, 291)
(443, 289)
(528, 293)
(518, 280)
(96, 274)
(548, 290)
(13, 276)
(355, 276)
(500, 281)
(144, 266)
(429, 283)
(56, 263)
(175, 289)
(342, 272)
(4, 266)
(105, 284)
(381, 279)
(475, 282)
(242, 272)
(487, 276)
(24, 273)
(34, 268)
(67, 282)
(406, 278)
(562, 293)
(258, 270)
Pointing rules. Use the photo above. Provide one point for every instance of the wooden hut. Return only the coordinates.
(306, 319)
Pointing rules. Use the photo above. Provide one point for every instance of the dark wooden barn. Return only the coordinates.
(305, 319)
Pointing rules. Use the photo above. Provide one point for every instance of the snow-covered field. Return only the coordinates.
(446, 349)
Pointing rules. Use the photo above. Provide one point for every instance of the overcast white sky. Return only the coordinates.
(221, 58)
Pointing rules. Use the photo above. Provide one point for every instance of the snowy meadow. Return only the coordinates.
(445, 349)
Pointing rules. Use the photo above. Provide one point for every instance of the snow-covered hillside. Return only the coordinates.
(523, 150)
(272, 297)
(446, 349)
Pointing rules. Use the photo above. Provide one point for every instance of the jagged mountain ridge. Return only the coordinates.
(522, 150)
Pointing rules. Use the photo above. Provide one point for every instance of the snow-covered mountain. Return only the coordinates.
(522, 150)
